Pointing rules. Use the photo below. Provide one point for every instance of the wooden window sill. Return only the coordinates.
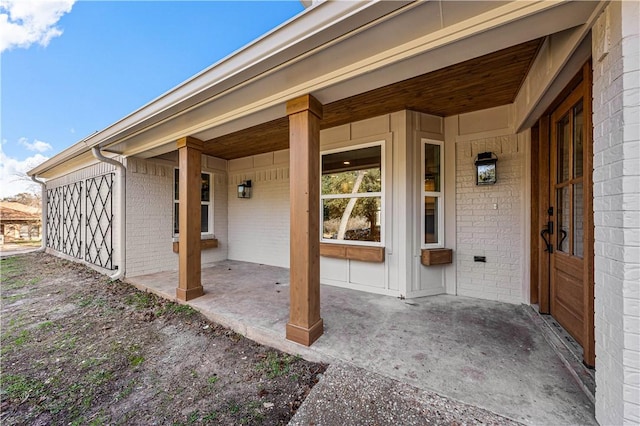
(436, 256)
(204, 244)
(352, 252)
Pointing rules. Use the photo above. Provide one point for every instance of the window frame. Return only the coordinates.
(176, 203)
(439, 195)
(380, 194)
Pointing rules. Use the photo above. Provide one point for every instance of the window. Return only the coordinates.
(206, 209)
(351, 195)
(432, 193)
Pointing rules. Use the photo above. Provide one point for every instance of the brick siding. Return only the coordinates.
(616, 175)
(489, 221)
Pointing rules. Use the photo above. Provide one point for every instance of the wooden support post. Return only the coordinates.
(305, 324)
(190, 182)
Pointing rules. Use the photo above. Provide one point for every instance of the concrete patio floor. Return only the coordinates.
(484, 353)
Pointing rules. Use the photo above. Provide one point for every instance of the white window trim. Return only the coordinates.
(381, 194)
(210, 232)
(438, 194)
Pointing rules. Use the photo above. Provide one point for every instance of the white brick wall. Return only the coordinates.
(616, 120)
(149, 218)
(150, 215)
(259, 226)
(489, 220)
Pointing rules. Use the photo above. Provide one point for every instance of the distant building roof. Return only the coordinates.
(16, 212)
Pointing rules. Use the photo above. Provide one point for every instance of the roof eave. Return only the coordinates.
(309, 29)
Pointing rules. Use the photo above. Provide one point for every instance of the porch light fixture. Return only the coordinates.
(244, 189)
(486, 173)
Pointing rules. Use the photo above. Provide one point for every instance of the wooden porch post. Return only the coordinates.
(305, 324)
(189, 273)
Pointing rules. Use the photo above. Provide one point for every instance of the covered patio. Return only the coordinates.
(489, 354)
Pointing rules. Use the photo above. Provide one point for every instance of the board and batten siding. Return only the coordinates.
(426, 280)
(259, 226)
(368, 276)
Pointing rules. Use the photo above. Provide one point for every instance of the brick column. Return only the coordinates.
(189, 273)
(305, 324)
(616, 205)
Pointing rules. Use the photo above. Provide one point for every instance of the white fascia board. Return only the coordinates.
(310, 29)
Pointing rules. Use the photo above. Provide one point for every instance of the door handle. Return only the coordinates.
(548, 231)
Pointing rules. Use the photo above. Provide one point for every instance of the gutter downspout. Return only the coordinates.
(122, 180)
(43, 199)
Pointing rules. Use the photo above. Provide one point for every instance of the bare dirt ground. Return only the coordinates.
(79, 349)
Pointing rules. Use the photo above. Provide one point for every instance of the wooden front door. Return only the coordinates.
(568, 225)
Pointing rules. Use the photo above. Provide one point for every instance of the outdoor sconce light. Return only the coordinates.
(486, 168)
(244, 189)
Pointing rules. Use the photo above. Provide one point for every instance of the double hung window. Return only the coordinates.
(206, 205)
(352, 195)
(432, 194)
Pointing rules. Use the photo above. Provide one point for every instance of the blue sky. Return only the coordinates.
(71, 68)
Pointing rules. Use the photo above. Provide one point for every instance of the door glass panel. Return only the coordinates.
(564, 212)
(578, 120)
(578, 220)
(431, 220)
(564, 144)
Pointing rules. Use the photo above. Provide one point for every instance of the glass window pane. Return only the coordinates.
(564, 139)
(352, 182)
(354, 171)
(355, 219)
(431, 220)
(176, 218)
(578, 121)
(176, 182)
(431, 167)
(564, 213)
(206, 184)
(578, 220)
(204, 218)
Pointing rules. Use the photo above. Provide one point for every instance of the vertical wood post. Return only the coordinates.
(305, 324)
(544, 200)
(190, 182)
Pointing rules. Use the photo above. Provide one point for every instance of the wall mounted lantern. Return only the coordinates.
(486, 173)
(244, 189)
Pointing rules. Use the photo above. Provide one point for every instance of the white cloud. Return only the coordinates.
(25, 22)
(13, 177)
(36, 146)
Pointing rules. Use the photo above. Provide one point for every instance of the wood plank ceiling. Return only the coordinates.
(485, 82)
